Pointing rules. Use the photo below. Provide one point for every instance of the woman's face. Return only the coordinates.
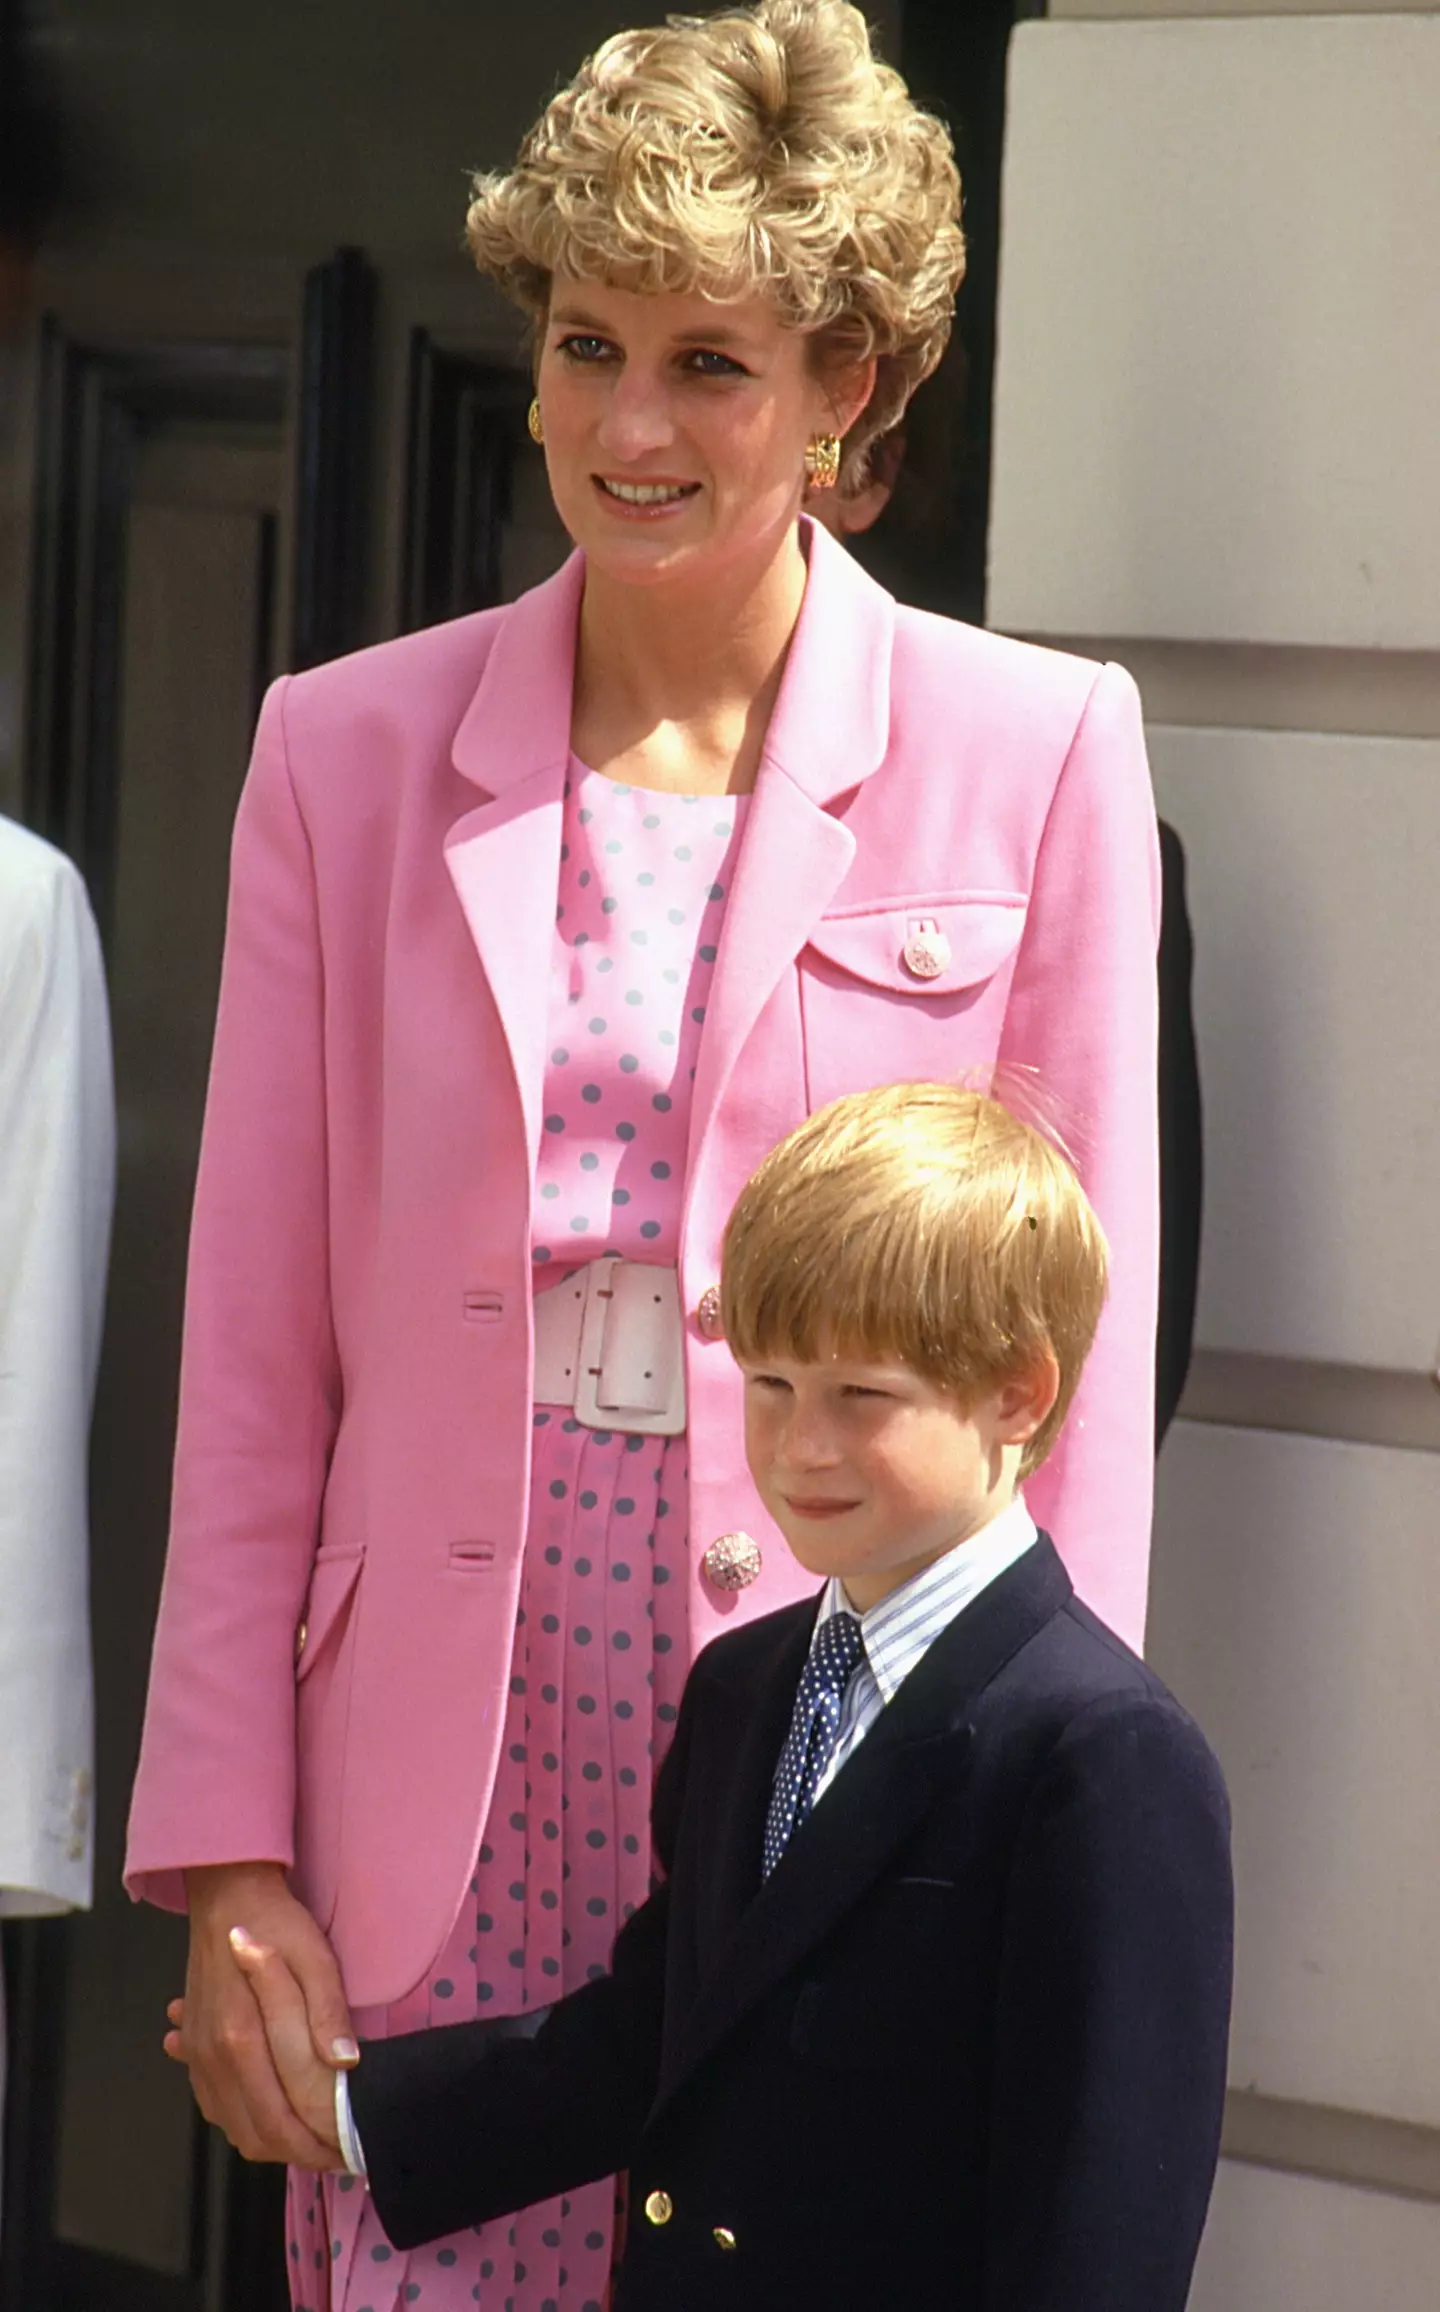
(675, 428)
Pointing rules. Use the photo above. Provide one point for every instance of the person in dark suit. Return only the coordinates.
(1181, 1139)
(930, 2006)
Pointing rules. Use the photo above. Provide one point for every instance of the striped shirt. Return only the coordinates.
(902, 1627)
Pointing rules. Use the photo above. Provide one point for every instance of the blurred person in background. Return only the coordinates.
(544, 926)
(57, 1179)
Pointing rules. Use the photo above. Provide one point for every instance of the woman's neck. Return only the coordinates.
(674, 686)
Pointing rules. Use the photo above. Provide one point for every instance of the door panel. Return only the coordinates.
(162, 494)
(195, 597)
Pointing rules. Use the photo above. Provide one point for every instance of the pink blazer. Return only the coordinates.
(355, 1404)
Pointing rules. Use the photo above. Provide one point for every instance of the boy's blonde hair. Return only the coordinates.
(921, 1222)
(759, 151)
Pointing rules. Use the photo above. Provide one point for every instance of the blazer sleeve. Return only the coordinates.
(1111, 2021)
(260, 1383)
(474, 2120)
(1079, 1045)
(57, 1168)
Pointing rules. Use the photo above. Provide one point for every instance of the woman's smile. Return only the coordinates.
(647, 500)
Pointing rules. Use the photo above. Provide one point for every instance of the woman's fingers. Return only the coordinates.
(311, 1961)
(308, 2082)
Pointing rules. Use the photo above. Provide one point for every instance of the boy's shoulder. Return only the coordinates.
(759, 1649)
(1076, 1704)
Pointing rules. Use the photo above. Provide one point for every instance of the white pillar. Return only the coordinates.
(1217, 458)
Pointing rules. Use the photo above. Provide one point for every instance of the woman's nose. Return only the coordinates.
(636, 420)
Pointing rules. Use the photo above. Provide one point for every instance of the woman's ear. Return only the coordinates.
(849, 391)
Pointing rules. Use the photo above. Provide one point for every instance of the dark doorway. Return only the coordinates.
(929, 546)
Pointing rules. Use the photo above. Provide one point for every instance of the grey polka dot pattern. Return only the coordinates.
(602, 1631)
(643, 881)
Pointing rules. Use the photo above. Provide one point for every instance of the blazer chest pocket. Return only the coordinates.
(899, 1991)
(907, 989)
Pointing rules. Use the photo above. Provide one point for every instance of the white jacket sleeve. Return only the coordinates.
(57, 1164)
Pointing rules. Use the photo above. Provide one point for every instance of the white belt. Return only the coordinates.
(610, 1341)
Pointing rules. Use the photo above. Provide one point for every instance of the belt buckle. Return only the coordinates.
(631, 1373)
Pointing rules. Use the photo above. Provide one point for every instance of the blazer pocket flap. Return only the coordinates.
(924, 946)
(332, 1582)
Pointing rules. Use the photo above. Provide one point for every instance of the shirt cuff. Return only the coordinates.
(351, 2149)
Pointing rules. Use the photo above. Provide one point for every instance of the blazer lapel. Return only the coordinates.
(504, 856)
(736, 1792)
(913, 1751)
(830, 730)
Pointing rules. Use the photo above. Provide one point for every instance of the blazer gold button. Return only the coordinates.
(302, 1637)
(707, 1312)
(926, 952)
(732, 1562)
(659, 2207)
(724, 2237)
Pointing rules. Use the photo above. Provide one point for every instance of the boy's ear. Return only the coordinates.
(1024, 1401)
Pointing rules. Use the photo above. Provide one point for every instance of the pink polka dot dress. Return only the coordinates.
(602, 1633)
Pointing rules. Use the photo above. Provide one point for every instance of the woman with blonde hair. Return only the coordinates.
(545, 925)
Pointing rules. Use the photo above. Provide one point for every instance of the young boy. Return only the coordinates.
(930, 2008)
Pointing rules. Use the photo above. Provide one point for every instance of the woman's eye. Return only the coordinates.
(585, 348)
(709, 364)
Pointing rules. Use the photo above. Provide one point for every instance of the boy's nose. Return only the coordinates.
(809, 1443)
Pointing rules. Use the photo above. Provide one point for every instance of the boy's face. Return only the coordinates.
(871, 1471)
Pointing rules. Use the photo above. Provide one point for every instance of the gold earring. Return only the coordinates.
(822, 461)
(535, 421)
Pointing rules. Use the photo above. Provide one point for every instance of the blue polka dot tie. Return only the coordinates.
(834, 1658)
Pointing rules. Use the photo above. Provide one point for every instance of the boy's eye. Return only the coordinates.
(766, 1381)
(858, 1389)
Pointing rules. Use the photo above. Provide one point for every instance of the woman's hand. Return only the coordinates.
(220, 2031)
(308, 2083)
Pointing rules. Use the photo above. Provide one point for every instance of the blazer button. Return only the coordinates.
(302, 1639)
(659, 2207)
(707, 1312)
(732, 1562)
(926, 952)
(724, 2237)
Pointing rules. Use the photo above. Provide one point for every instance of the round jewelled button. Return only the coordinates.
(926, 952)
(659, 2207)
(732, 1562)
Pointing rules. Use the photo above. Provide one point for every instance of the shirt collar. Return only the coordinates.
(903, 1626)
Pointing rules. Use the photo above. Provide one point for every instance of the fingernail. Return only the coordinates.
(344, 2050)
(240, 1940)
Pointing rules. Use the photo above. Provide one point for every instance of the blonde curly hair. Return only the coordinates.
(763, 150)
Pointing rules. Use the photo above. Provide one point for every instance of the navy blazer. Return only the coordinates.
(964, 2048)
